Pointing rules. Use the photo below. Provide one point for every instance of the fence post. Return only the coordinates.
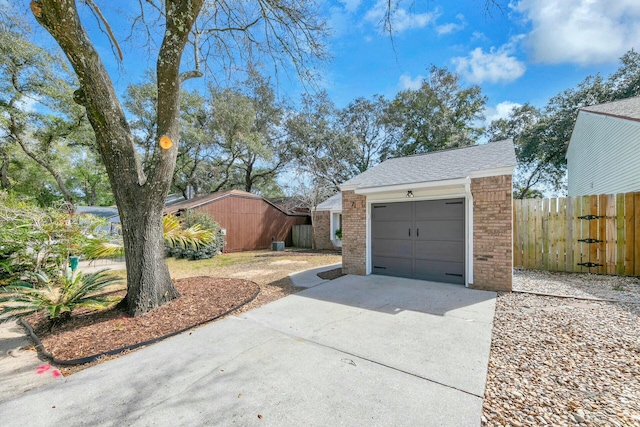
(636, 246)
(629, 237)
(569, 235)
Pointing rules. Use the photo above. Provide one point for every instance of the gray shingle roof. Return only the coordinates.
(101, 211)
(626, 108)
(437, 166)
(333, 203)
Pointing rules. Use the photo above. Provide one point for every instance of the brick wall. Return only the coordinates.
(354, 233)
(492, 233)
(322, 230)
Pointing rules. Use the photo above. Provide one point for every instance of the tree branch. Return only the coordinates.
(113, 135)
(101, 17)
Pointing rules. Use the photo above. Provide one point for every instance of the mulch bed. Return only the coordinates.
(331, 274)
(90, 333)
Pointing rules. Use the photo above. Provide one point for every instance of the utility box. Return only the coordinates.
(277, 246)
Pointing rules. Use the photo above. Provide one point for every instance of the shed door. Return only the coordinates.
(421, 240)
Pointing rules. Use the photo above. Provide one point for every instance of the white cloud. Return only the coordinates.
(452, 27)
(407, 82)
(28, 104)
(581, 31)
(351, 5)
(500, 111)
(496, 65)
(401, 19)
(478, 36)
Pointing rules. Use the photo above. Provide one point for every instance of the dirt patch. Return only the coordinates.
(299, 252)
(250, 274)
(331, 274)
(287, 261)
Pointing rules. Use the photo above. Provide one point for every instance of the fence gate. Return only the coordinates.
(302, 236)
(595, 234)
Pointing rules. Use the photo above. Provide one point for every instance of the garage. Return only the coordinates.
(420, 240)
(443, 216)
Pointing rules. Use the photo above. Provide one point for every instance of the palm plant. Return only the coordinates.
(194, 236)
(58, 298)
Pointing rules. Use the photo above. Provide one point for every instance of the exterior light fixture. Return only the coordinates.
(410, 194)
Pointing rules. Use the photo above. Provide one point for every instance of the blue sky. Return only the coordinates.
(527, 51)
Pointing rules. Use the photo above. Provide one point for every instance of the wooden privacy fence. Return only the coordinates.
(302, 236)
(596, 234)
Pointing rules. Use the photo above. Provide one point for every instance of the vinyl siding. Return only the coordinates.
(603, 155)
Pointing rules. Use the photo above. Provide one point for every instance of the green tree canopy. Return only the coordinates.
(440, 114)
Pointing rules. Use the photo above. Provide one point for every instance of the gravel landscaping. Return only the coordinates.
(565, 361)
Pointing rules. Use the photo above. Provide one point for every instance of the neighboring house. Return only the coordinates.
(249, 220)
(327, 219)
(603, 156)
(444, 216)
(174, 198)
(107, 212)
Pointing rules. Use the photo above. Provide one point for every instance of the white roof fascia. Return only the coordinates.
(492, 172)
(348, 187)
(414, 186)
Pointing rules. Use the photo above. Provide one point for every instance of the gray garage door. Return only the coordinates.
(421, 240)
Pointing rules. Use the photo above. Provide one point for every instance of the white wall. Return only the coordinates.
(603, 156)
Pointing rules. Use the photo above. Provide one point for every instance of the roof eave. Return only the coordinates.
(414, 186)
(484, 173)
(455, 182)
(348, 187)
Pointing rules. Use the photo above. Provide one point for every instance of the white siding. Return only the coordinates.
(603, 155)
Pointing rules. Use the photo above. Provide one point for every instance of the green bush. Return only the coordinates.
(191, 219)
(34, 239)
(57, 297)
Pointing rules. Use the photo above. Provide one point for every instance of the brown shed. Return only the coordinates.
(251, 221)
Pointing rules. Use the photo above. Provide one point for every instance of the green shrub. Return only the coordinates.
(57, 297)
(192, 219)
(177, 237)
(34, 239)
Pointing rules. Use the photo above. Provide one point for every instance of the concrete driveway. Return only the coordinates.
(354, 351)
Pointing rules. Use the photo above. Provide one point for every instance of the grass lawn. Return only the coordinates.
(263, 267)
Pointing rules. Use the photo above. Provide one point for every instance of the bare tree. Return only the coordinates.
(309, 196)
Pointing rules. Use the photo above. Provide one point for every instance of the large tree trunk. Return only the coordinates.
(139, 198)
(149, 284)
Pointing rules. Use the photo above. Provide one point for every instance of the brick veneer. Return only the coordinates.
(492, 233)
(322, 230)
(354, 233)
